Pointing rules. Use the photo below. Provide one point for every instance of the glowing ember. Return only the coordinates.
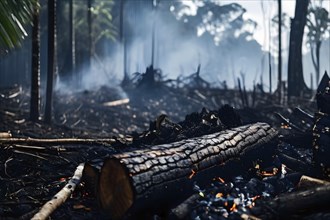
(272, 173)
(221, 180)
(233, 208)
(255, 197)
(218, 195)
(193, 172)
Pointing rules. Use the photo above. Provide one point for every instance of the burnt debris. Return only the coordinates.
(242, 187)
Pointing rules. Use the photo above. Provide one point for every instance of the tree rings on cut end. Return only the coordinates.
(115, 189)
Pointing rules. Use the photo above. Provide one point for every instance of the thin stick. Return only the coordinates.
(36, 141)
(61, 196)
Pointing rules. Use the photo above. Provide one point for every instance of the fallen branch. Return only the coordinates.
(157, 176)
(36, 141)
(61, 196)
(5, 135)
(116, 103)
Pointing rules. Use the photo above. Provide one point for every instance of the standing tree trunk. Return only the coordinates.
(316, 62)
(72, 61)
(318, 47)
(89, 23)
(279, 83)
(123, 41)
(296, 83)
(51, 68)
(35, 77)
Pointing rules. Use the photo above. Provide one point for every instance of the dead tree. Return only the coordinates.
(296, 83)
(35, 76)
(161, 175)
(279, 81)
(51, 59)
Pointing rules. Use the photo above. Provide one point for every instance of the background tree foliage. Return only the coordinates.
(102, 26)
(318, 22)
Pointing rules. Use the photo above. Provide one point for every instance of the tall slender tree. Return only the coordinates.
(123, 41)
(51, 66)
(296, 83)
(35, 76)
(72, 58)
(279, 81)
(90, 38)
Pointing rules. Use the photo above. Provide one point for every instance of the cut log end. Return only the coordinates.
(116, 195)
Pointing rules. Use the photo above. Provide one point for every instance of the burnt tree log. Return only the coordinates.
(162, 176)
(296, 203)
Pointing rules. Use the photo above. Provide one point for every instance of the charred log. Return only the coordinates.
(157, 176)
(306, 182)
(302, 202)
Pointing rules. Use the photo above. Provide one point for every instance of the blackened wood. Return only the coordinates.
(296, 164)
(162, 174)
(323, 95)
(321, 148)
(90, 175)
(51, 62)
(325, 82)
(279, 79)
(303, 115)
(301, 202)
(306, 182)
(183, 210)
(35, 72)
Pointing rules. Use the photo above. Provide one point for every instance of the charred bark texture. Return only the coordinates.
(282, 207)
(296, 83)
(279, 81)
(321, 129)
(35, 77)
(159, 175)
(51, 63)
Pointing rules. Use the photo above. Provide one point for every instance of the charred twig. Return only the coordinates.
(287, 122)
(29, 154)
(61, 196)
(301, 113)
